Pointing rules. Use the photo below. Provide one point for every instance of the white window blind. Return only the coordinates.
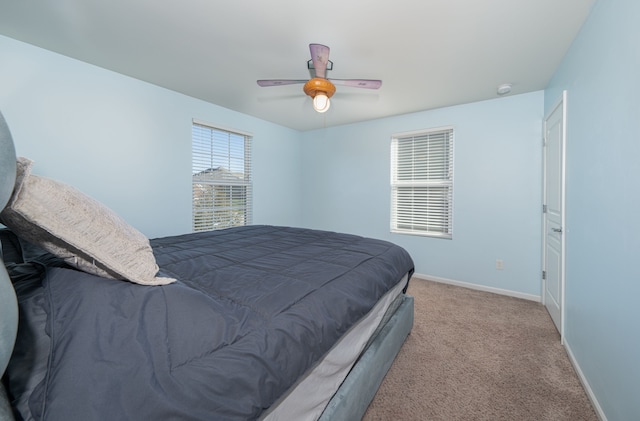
(422, 183)
(221, 178)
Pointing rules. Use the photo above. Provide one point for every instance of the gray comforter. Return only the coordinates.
(254, 308)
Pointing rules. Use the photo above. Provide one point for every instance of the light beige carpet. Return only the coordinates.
(474, 355)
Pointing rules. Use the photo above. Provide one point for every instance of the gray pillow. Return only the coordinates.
(82, 231)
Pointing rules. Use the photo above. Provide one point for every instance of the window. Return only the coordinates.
(422, 183)
(221, 178)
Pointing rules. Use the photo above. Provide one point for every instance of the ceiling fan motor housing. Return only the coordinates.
(315, 85)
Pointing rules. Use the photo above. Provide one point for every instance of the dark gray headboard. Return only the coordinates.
(8, 303)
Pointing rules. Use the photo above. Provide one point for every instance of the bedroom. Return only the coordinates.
(130, 133)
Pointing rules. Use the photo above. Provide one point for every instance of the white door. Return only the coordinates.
(553, 211)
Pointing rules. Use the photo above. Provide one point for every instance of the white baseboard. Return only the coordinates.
(585, 384)
(485, 288)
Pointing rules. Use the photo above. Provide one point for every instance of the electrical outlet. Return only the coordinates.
(499, 264)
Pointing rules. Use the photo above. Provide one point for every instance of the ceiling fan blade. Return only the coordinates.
(320, 58)
(358, 83)
(280, 82)
(360, 96)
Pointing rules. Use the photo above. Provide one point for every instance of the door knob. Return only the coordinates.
(558, 230)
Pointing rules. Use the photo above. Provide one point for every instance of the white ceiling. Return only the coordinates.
(428, 53)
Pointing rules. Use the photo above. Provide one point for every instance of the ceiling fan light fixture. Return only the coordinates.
(320, 90)
(321, 102)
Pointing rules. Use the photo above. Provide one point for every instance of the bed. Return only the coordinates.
(256, 322)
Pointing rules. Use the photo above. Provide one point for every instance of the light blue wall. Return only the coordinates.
(601, 74)
(497, 189)
(127, 143)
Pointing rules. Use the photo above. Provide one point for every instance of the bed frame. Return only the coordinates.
(357, 391)
(351, 400)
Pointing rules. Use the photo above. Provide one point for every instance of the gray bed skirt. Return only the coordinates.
(356, 393)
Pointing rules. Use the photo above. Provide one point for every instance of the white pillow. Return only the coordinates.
(79, 229)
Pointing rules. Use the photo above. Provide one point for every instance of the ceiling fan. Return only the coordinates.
(320, 88)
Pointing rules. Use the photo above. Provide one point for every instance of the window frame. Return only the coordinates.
(226, 196)
(422, 195)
